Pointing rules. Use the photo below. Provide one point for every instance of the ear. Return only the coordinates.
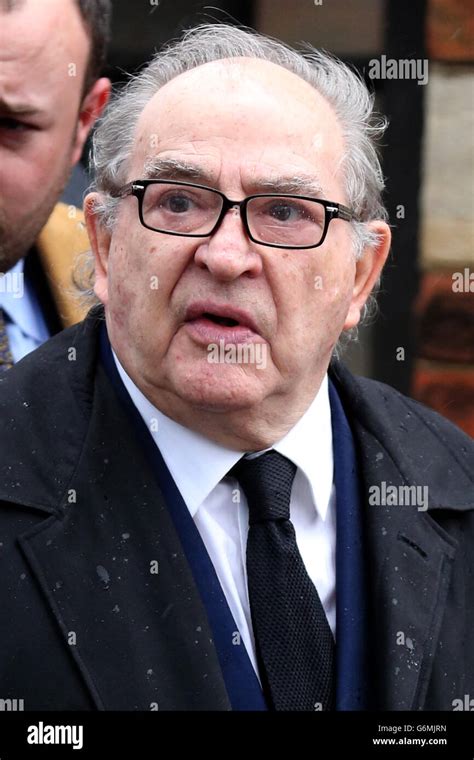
(100, 238)
(91, 108)
(368, 270)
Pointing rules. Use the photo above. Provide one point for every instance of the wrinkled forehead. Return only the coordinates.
(245, 99)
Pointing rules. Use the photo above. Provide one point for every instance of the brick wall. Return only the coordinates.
(444, 369)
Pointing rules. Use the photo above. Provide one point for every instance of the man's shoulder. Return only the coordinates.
(393, 407)
(43, 381)
(45, 408)
(422, 442)
(375, 400)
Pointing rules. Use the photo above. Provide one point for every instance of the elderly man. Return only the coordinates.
(51, 92)
(199, 508)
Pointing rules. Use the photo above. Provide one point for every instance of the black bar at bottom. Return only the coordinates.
(154, 734)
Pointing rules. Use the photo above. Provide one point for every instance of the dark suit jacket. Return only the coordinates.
(84, 624)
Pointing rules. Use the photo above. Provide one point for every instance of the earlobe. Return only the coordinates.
(368, 270)
(100, 238)
(91, 108)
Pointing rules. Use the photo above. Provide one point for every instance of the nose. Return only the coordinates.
(228, 253)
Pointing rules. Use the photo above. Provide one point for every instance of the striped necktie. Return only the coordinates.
(6, 358)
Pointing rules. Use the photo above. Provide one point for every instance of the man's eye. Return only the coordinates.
(178, 204)
(284, 212)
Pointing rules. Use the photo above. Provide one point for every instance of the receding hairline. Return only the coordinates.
(237, 67)
(240, 69)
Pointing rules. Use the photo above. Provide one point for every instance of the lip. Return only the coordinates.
(198, 308)
(205, 331)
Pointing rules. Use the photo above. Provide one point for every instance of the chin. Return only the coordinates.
(222, 389)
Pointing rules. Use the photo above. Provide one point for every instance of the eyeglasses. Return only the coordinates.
(272, 219)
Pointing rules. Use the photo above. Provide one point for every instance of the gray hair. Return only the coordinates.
(342, 87)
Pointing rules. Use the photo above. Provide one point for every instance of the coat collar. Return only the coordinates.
(423, 447)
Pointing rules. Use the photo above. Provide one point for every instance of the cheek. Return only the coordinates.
(312, 300)
(141, 279)
(27, 172)
(309, 287)
(120, 301)
(332, 296)
(50, 149)
(334, 280)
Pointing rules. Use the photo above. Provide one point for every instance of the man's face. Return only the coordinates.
(43, 54)
(241, 124)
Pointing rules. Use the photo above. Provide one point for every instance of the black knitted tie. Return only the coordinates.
(295, 647)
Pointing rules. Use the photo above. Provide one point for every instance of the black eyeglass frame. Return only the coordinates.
(332, 210)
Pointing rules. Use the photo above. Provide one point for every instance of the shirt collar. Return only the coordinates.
(308, 444)
(21, 305)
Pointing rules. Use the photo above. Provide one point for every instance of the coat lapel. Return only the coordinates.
(113, 571)
(410, 554)
(411, 559)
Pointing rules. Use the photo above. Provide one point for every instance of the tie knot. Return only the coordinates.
(266, 481)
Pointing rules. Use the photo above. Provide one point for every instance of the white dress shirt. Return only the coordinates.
(24, 321)
(199, 466)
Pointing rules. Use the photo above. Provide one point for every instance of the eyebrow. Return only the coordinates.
(173, 168)
(300, 184)
(177, 169)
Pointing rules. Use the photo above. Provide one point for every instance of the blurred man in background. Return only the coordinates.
(51, 56)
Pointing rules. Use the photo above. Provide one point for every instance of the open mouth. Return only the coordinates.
(211, 321)
(218, 320)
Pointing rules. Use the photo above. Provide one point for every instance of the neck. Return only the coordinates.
(250, 428)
